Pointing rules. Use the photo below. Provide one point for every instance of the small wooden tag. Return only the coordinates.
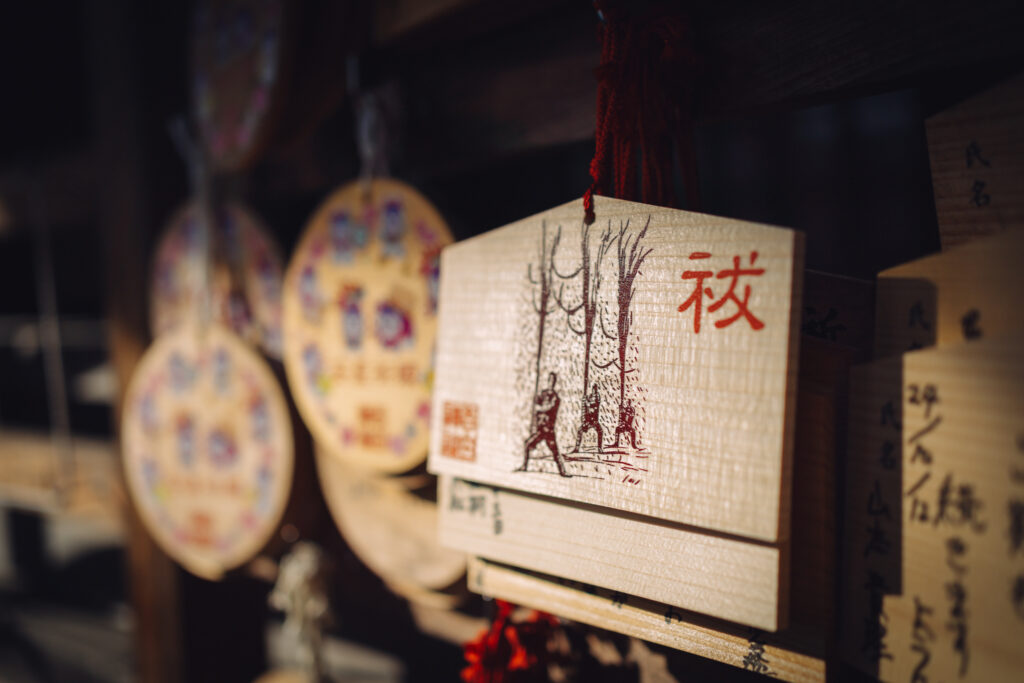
(208, 450)
(934, 542)
(787, 656)
(977, 160)
(645, 363)
(245, 277)
(360, 300)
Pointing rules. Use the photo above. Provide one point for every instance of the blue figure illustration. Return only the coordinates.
(392, 229)
(185, 432)
(347, 236)
(260, 417)
(350, 302)
(313, 363)
(309, 295)
(393, 326)
(223, 452)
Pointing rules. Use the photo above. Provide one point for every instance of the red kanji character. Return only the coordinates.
(735, 273)
(696, 299)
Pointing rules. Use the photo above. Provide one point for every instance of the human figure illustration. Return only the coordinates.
(591, 419)
(626, 426)
(545, 416)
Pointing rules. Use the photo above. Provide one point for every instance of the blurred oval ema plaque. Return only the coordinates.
(360, 301)
(208, 450)
(244, 286)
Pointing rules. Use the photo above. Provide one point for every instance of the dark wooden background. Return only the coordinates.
(809, 114)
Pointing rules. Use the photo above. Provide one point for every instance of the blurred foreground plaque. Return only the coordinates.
(645, 363)
(208, 450)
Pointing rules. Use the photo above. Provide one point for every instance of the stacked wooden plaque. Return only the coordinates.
(933, 584)
(614, 423)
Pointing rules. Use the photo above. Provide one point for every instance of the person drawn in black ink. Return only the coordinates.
(626, 425)
(545, 416)
(591, 419)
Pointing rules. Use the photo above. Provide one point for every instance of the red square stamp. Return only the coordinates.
(458, 433)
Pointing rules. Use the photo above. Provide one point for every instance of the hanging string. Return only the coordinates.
(199, 183)
(644, 99)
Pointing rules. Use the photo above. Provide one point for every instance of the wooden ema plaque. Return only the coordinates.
(935, 515)
(208, 450)
(963, 294)
(977, 160)
(237, 53)
(245, 277)
(393, 531)
(646, 363)
(360, 303)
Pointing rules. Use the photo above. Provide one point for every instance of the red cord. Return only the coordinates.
(645, 80)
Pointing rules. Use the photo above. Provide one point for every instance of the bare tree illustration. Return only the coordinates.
(588, 304)
(630, 256)
(542, 295)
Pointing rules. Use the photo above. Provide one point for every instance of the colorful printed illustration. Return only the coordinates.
(312, 301)
(430, 269)
(393, 327)
(350, 302)
(392, 230)
(348, 236)
(222, 448)
(185, 434)
(259, 416)
(314, 367)
(594, 351)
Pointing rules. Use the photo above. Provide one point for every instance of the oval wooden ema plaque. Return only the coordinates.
(245, 279)
(208, 448)
(393, 531)
(360, 302)
(238, 51)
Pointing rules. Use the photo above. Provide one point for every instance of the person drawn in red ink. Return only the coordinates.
(545, 416)
(697, 298)
(626, 425)
(591, 419)
(735, 273)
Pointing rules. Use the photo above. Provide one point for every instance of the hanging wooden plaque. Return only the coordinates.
(392, 530)
(208, 450)
(977, 160)
(934, 542)
(245, 277)
(360, 301)
(647, 363)
(963, 294)
(238, 50)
